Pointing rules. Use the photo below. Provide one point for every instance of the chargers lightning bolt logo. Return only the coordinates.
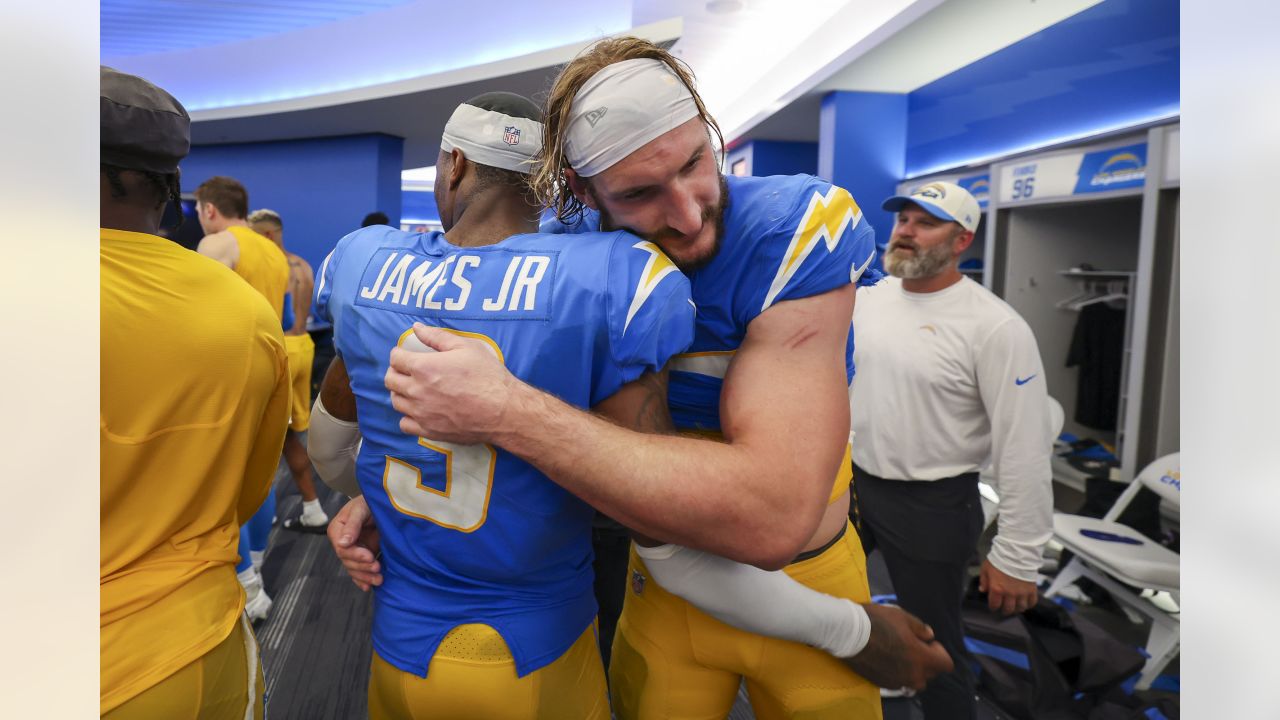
(826, 219)
(658, 267)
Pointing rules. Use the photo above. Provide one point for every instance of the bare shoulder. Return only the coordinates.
(221, 246)
(300, 273)
(218, 241)
(297, 264)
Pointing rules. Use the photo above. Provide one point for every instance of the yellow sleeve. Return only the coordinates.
(264, 456)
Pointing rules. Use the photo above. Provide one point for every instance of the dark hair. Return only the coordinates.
(548, 176)
(226, 194)
(376, 217)
(164, 186)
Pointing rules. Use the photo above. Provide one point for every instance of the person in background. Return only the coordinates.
(222, 207)
(187, 445)
(949, 377)
(268, 224)
(376, 217)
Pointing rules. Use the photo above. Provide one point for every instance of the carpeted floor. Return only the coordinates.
(315, 644)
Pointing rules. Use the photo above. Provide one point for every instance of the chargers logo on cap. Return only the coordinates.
(511, 135)
(933, 191)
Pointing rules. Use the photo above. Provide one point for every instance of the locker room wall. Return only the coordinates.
(322, 188)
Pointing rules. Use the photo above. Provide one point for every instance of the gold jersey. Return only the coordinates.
(263, 265)
(194, 405)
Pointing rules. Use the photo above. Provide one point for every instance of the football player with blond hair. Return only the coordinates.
(773, 263)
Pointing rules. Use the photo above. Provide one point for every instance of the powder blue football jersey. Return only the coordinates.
(473, 534)
(785, 237)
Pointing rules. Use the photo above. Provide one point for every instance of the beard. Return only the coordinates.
(714, 214)
(925, 262)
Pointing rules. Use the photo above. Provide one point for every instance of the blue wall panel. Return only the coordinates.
(322, 188)
(1111, 66)
(772, 157)
(861, 144)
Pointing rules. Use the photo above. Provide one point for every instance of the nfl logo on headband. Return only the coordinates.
(476, 132)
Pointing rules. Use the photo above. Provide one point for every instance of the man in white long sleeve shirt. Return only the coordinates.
(949, 377)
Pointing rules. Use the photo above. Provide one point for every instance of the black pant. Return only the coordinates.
(323, 340)
(928, 532)
(612, 545)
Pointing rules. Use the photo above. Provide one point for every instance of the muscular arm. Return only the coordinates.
(755, 498)
(334, 440)
(641, 405)
(885, 645)
(335, 391)
(766, 603)
(221, 247)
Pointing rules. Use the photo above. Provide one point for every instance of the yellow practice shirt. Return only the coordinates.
(263, 264)
(194, 405)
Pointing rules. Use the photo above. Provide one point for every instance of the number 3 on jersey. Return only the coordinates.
(468, 475)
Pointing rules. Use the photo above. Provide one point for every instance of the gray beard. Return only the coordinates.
(923, 264)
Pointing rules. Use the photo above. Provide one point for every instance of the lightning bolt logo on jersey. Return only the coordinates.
(473, 534)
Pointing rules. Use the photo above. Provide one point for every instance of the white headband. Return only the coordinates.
(492, 138)
(620, 109)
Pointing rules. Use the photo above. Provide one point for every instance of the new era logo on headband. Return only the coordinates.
(594, 116)
(511, 135)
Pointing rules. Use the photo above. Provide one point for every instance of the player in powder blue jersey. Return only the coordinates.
(486, 608)
(772, 263)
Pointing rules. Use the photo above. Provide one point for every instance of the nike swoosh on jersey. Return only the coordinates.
(1022, 381)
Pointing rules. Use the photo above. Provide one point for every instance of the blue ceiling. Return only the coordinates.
(137, 27)
(1112, 66)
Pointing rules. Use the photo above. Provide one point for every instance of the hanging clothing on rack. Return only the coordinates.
(1097, 348)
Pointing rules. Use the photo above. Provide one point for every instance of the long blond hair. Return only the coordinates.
(547, 179)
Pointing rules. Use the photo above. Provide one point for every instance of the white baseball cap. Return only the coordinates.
(943, 200)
